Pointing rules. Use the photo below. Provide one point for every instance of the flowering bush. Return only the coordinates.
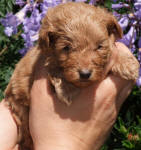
(20, 22)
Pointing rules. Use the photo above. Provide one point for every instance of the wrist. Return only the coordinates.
(72, 143)
(66, 143)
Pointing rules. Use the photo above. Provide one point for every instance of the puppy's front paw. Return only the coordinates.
(126, 67)
(65, 92)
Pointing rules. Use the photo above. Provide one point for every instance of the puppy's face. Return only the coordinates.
(79, 41)
(82, 56)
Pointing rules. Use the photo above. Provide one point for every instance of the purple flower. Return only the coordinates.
(133, 48)
(80, 0)
(120, 5)
(20, 2)
(139, 59)
(138, 1)
(117, 15)
(137, 10)
(22, 13)
(138, 14)
(58, 2)
(137, 5)
(36, 16)
(31, 24)
(23, 51)
(10, 22)
(123, 22)
(92, 2)
(31, 1)
(31, 27)
(49, 3)
(138, 81)
(8, 31)
(129, 38)
(28, 43)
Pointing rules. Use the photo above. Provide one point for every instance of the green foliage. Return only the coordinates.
(6, 6)
(9, 56)
(9, 47)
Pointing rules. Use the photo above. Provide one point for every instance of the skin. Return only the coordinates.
(8, 129)
(82, 126)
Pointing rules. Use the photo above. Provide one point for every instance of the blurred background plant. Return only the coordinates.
(19, 25)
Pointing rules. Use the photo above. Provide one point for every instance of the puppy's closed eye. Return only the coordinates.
(99, 47)
(67, 48)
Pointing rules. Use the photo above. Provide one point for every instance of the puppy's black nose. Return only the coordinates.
(84, 74)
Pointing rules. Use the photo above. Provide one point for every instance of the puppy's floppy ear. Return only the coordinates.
(47, 35)
(115, 32)
(112, 61)
(113, 28)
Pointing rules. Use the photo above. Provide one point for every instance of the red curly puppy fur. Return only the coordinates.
(75, 50)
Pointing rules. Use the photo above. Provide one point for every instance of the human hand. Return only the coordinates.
(86, 123)
(8, 129)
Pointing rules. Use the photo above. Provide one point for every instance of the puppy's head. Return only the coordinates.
(80, 37)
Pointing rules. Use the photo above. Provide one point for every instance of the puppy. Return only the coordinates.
(75, 49)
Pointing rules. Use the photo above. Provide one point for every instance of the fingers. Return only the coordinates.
(124, 94)
(113, 90)
(40, 88)
(8, 128)
(120, 89)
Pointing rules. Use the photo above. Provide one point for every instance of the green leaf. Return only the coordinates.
(104, 147)
(121, 127)
(139, 120)
(119, 149)
(108, 4)
(13, 2)
(1, 95)
(127, 144)
(10, 5)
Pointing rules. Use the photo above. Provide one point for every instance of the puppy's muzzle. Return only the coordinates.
(84, 74)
